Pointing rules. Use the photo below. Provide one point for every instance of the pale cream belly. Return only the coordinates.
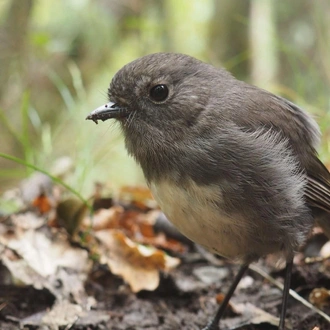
(195, 211)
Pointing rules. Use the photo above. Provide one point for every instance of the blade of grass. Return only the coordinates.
(77, 80)
(54, 178)
(63, 90)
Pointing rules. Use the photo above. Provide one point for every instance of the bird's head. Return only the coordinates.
(162, 93)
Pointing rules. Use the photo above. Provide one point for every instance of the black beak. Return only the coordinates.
(108, 111)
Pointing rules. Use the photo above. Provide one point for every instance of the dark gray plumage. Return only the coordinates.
(234, 167)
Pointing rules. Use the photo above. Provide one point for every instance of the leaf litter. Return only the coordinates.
(126, 267)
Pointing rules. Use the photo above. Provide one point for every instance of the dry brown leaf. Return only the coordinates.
(162, 242)
(44, 255)
(42, 203)
(320, 297)
(138, 196)
(137, 225)
(136, 193)
(138, 265)
(105, 218)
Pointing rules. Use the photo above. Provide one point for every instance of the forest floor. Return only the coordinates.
(125, 267)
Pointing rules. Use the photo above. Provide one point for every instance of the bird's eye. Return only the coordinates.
(159, 93)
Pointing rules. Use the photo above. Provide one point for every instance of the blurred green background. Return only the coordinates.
(57, 59)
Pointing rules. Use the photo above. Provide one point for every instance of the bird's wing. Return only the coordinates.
(318, 177)
(318, 185)
(273, 112)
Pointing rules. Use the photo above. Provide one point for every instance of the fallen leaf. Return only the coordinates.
(138, 265)
(105, 218)
(137, 225)
(43, 254)
(210, 275)
(42, 203)
(137, 193)
(21, 271)
(320, 297)
(250, 314)
(138, 196)
(325, 250)
(27, 220)
(63, 313)
(70, 214)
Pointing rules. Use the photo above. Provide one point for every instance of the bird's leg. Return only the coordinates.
(286, 289)
(214, 323)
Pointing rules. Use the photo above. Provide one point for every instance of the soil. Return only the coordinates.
(183, 300)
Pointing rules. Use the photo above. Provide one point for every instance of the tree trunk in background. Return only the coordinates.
(13, 38)
(228, 36)
(263, 43)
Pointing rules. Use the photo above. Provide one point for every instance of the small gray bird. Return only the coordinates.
(233, 166)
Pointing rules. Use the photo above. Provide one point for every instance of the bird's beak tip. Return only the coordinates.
(107, 111)
(90, 117)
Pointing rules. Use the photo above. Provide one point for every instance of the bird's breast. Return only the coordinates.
(196, 211)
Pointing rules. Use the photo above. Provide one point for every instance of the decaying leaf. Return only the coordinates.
(138, 265)
(320, 297)
(139, 196)
(21, 270)
(105, 218)
(43, 254)
(70, 214)
(139, 193)
(250, 314)
(63, 313)
(42, 203)
(39, 256)
(28, 220)
(138, 226)
(325, 250)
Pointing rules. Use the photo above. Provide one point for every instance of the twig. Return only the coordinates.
(293, 293)
(213, 260)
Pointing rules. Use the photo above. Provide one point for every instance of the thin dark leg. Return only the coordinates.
(286, 289)
(214, 324)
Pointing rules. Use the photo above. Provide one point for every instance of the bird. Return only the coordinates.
(234, 167)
